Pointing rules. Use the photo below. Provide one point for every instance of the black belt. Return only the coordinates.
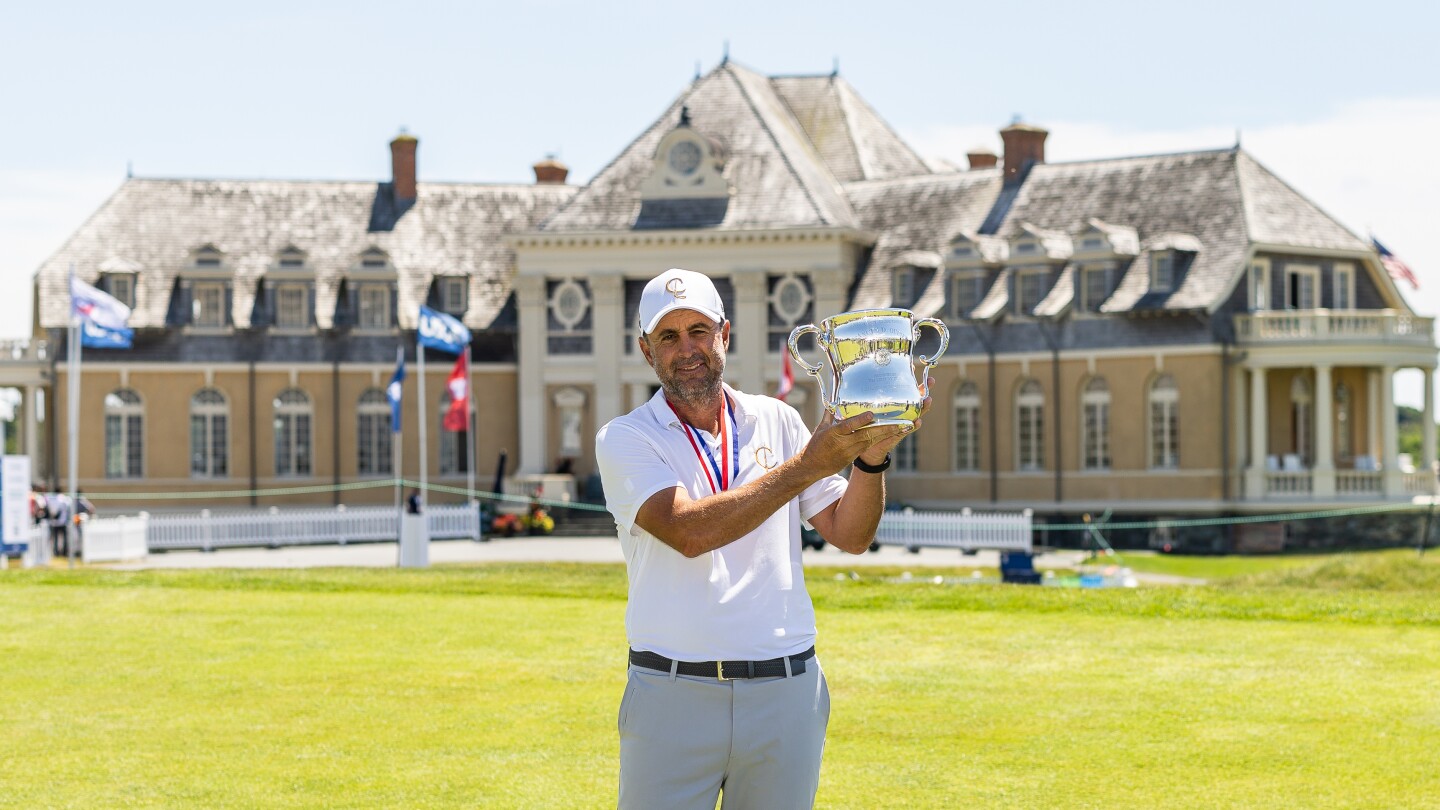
(724, 670)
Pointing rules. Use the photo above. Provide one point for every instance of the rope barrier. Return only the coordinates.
(388, 483)
(1361, 509)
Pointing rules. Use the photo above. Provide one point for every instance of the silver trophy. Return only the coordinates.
(870, 363)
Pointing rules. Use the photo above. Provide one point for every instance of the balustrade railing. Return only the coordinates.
(1334, 326)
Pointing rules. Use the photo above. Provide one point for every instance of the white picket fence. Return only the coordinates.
(966, 530)
(293, 527)
(115, 539)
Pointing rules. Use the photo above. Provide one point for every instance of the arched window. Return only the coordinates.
(967, 427)
(293, 419)
(1344, 424)
(373, 443)
(1302, 421)
(209, 434)
(1030, 427)
(124, 434)
(1095, 425)
(1164, 423)
(454, 459)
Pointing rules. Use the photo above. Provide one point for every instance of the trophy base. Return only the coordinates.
(885, 414)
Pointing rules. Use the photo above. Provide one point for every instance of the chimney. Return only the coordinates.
(1024, 145)
(981, 158)
(550, 171)
(402, 165)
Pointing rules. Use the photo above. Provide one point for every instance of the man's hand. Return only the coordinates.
(876, 453)
(835, 444)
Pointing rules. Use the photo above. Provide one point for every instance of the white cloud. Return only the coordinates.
(1372, 165)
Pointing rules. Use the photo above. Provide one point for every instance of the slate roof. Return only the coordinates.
(917, 214)
(1213, 205)
(152, 226)
(779, 177)
(852, 139)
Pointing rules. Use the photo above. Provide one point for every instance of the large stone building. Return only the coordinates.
(1176, 335)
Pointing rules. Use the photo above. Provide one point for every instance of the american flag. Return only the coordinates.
(1395, 266)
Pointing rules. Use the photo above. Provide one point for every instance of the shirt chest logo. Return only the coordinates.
(765, 457)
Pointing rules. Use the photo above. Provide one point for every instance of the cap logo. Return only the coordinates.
(675, 287)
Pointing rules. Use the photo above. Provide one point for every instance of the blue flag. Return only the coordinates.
(95, 336)
(395, 389)
(443, 332)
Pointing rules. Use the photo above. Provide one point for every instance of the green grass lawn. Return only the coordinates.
(1306, 685)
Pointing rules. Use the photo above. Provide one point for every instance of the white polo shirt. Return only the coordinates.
(743, 601)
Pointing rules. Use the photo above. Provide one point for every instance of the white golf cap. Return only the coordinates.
(678, 289)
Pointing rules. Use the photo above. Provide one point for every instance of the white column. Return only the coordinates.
(1372, 416)
(1394, 480)
(1427, 428)
(747, 335)
(1240, 438)
(607, 293)
(1255, 475)
(30, 443)
(530, 297)
(1323, 474)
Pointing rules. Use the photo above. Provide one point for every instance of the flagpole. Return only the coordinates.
(397, 453)
(72, 391)
(470, 437)
(424, 416)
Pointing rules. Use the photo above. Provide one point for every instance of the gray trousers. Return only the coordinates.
(684, 739)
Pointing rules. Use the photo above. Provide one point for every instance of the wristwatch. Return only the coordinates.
(873, 469)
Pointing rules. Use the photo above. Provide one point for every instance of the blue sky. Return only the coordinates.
(1341, 99)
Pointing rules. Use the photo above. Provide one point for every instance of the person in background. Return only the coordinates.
(57, 514)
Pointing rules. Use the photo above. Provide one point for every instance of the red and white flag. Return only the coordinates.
(457, 416)
(787, 377)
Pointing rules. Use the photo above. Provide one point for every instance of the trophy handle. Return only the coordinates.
(929, 362)
(812, 370)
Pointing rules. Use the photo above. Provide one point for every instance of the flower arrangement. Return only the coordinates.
(506, 525)
(538, 521)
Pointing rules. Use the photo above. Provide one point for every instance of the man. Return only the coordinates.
(709, 487)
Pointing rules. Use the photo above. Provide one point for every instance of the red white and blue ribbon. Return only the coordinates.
(725, 471)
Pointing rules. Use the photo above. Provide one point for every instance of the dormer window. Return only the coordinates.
(121, 287)
(1162, 271)
(966, 290)
(455, 294)
(902, 291)
(1030, 290)
(1096, 284)
(963, 251)
(1026, 248)
(374, 259)
(1090, 243)
(291, 259)
(208, 256)
(1302, 286)
(207, 305)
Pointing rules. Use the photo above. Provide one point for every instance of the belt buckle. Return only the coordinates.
(720, 671)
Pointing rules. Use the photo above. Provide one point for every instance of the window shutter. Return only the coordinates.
(179, 314)
(310, 304)
(395, 304)
(229, 303)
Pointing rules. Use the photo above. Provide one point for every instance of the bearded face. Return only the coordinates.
(688, 355)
